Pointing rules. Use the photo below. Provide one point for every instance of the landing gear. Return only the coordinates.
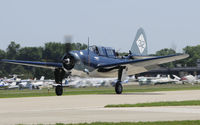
(59, 90)
(59, 75)
(118, 85)
(118, 88)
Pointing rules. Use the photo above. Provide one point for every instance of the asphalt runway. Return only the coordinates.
(90, 108)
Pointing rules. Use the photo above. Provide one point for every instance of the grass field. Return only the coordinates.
(94, 90)
(194, 122)
(152, 104)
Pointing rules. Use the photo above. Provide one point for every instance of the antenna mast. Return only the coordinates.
(88, 51)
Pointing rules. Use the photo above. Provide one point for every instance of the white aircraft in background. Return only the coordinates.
(39, 84)
(3, 84)
(13, 79)
(25, 84)
(77, 82)
(157, 80)
(35, 84)
(86, 82)
(10, 83)
(146, 80)
(13, 82)
(13, 85)
(164, 80)
(189, 79)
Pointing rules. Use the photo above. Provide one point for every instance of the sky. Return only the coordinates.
(113, 23)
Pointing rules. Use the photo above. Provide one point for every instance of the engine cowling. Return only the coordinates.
(68, 61)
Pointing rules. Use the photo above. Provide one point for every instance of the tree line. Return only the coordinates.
(53, 52)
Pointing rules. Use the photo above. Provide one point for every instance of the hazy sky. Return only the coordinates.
(167, 23)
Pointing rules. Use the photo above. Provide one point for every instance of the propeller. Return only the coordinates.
(68, 59)
(67, 41)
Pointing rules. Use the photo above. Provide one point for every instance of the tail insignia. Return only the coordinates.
(139, 46)
(141, 43)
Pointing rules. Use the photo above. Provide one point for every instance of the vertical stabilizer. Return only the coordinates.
(42, 78)
(139, 46)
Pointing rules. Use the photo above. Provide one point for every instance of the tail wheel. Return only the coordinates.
(59, 90)
(118, 88)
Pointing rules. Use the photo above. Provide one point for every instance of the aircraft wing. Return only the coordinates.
(48, 65)
(134, 66)
(143, 65)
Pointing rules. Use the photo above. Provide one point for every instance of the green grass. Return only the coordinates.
(192, 122)
(93, 90)
(152, 104)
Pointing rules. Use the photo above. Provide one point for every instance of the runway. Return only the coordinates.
(90, 108)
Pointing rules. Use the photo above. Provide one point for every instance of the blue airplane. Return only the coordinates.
(97, 61)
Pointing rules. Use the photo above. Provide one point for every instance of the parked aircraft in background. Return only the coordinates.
(189, 79)
(164, 80)
(77, 82)
(12, 83)
(102, 62)
(35, 84)
(86, 82)
(13, 78)
(42, 83)
(3, 84)
(158, 80)
(25, 84)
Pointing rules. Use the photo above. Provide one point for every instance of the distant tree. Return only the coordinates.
(2, 54)
(11, 53)
(194, 52)
(2, 65)
(12, 50)
(53, 51)
(78, 46)
(30, 53)
(38, 72)
(165, 51)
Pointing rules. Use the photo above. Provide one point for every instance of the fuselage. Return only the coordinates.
(90, 59)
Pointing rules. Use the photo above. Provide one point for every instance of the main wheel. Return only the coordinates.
(59, 90)
(118, 88)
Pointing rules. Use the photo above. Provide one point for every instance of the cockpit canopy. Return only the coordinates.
(103, 51)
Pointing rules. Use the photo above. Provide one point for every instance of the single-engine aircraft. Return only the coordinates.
(97, 61)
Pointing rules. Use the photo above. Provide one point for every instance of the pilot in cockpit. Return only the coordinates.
(96, 50)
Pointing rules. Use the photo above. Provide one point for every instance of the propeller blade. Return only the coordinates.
(67, 41)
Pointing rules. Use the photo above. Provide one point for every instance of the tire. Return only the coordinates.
(59, 90)
(118, 88)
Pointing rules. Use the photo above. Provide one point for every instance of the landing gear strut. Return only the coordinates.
(59, 75)
(118, 85)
